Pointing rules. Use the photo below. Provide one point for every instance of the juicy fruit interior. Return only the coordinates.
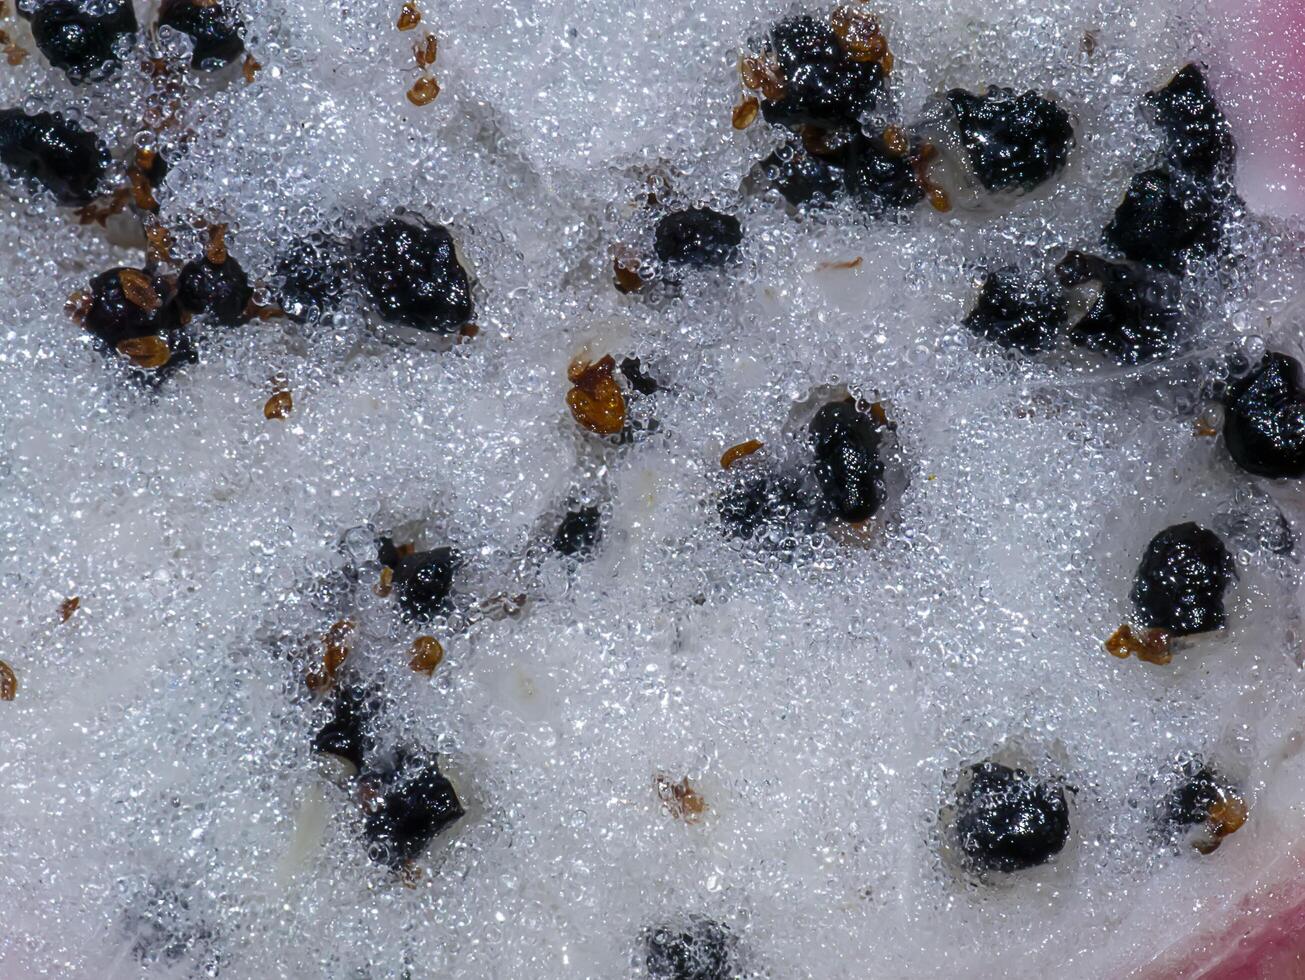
(871, 649)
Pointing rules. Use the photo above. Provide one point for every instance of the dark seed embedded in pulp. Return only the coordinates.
(411, 270)
(801, 177)
(1008, 821)
(698, 237)
(579, 532)
(847, 464)
(754, 501)
(314, 273)
(1264, 419)
(80, 39)
(346, 735)
(1190, 802)
(1137, 315)
(1166, 220)
(823, 85)
(1012, 140)
(1181, 581)
(220, 291)
(214, 27)
(424, 581)
(418, 805)
(880, 179)
(1199, 139)
(57, 153)
(639, 379)
(1019, 310)
(698, 949)
(115, 314)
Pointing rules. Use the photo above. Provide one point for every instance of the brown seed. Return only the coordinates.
(250, 69)
(386, 584)
(409, 16)
(680, 799)
(335, 652)
(426, 655)
(424, 90)
(1226, 816)
(68, 607)
(880, 415)
(15, 55)
(772, 85)
(855, 263)
(1205, 426)
(426, 51)
(279, 406)
(896, 141)
(158, 242)
(148, 352)
(1151, 646)
(596, 401)
(79, 305)
(745, 113)
(139, 290)
(939, 200)
(142, 191)
(8, 682)
(751, 72)
(625, 269)
(1090, 41)
(736, 453)
(886, 62)
(216, 251)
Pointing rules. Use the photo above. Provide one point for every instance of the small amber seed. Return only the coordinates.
(15, 55)
(880, 415)
(681, 800)
(250, 69)
(279, 406)
(409, 16)
(772, 86)
(751, 73)
(896, 141)
(216, 252)
(1226, 817)
(335, 652)
(1204, 427)
(142, 191)
(8, 682)
(148, 352)
(79, 305)
(745, 113)
(68, 607)
(424, 90)
(386, 584)
(855, 263)
(1151, 646)
(886, 63)
(138, 289)
(939, 199)
(159, 241)
(625, 270)
(426, 51)
(736, 453)
(426, 655)
(596, 401)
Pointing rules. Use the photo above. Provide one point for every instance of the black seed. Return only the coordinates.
(823, 84)
(387, 553)
(1012, 140)
(848, 468)
(347, 734)
(411, 270)
(52, 151)
(802, 178)
(1137, 316)
(1264, 419)
(216, 29)
(879, 179)
(423, 582)
(1202, 788)
(1200, 141)
(159, 168)
(1166, 220)
(579, 532)
(699, 949)
(221, 291)
(758, 500)
(1007, 821)
(113, 318)
(1181, 581)
(419, 805)
(79, 41)
(638, 379)
(314, 273)
(698, 236)
(1019, 310)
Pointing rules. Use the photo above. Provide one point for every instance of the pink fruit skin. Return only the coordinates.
(1257, 69)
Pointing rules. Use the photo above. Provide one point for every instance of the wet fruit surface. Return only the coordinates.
(80, 38)
(412, 272)
(1181, 581)
(215, 29)
(1264, 419)
(756, 500)
(845, 443)
(417, 804)
(698, 949)
(48, 149)
(1013, 140)
(698, 237)
(314, 273)
(1136, 316)
(1007, 821)
(1018, 310)
(823, 83)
